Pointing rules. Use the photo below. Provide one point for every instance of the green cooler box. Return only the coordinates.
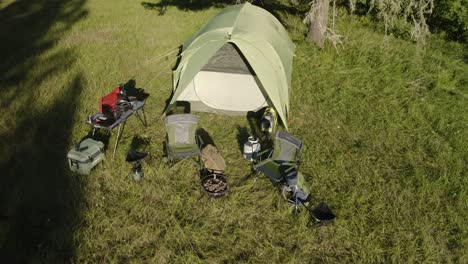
(85, 156)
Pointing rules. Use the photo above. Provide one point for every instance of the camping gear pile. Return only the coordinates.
(114, 110)
(240, 62)
(213, 179)
(182, 141)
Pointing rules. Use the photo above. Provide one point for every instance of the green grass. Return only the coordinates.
(385, 129)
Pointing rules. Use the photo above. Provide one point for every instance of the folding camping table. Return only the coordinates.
(136, 106)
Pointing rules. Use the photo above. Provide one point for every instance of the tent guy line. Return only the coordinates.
(160, 56)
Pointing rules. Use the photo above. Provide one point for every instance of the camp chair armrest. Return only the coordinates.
(290, 168)
(258, 155)
(291, 163)
(199, 140)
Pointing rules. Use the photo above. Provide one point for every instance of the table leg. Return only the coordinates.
(119, 133)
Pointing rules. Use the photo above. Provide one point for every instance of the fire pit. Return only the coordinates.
(215, 185)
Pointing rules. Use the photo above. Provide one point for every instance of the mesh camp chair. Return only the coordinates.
(182, 140)
(282, 166)
(283, 160)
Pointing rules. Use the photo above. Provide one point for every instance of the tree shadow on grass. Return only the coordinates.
(27, 26)
(39, 198)
(162, 5)
(273, 6)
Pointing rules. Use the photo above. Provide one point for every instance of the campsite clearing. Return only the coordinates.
(384, 125)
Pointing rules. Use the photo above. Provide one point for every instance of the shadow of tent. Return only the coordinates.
(242, 136)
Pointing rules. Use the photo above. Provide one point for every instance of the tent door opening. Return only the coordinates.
(225, 84)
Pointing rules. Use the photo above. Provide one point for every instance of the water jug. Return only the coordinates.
(251, 147)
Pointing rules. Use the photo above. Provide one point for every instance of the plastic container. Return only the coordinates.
(85, 156)
(251, 147)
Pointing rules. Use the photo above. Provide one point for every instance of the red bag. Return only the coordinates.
(108, 102)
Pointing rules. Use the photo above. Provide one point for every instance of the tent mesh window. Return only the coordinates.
(228, 59)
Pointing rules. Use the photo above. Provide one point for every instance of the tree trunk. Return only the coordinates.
(318, 25)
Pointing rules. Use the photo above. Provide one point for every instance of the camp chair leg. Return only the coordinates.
(142, 117)
(119, 133)
(256, 176)
(166, 160)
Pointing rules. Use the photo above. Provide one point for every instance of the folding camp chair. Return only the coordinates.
(181, 137)
(283, 159)
(115, 109)
(282, 164)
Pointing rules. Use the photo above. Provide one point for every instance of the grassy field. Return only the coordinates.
(385, 128)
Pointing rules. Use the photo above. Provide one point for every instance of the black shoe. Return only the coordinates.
(133, 155)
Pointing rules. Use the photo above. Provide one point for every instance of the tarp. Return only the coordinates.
(261, 39)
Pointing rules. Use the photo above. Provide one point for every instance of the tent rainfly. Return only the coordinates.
(239, 61)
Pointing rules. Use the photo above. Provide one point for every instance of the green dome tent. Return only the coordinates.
(239, 61)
